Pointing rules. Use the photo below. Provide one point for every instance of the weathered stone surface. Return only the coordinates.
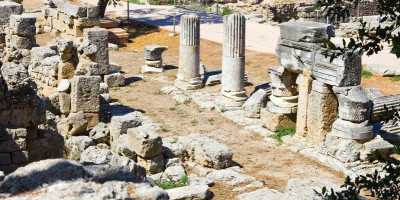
(100, 133)
(114, 79)
(63, 86)
(121, 148)
(383, 70)
(74, 124)
(354, 104)
(320, 118)
(85, 94)
(172, 147)
(378, 144)
(114, 67)
(73, 9)
(189, 192)
(120, 124)
(65, 45)
(303, 189)
(144, 142)
(23, 25)
(65, 103)
(168, 89)
(19, 42)
(195, 180)
(153, 52)
(99, 38)
(344, 150)
(75, 145)
(282, 82)
(8, 9)
(373, 93)
(258, 100)
(391, 101)
(306, 31)
(276, 121)
(40, 53)
(174, 172)
(350, 130)
(104, 156)
(153, 165)
(230, 177)
(305, 86)
(261, 194)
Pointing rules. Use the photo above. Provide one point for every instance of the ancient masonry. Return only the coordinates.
(153, 56)
(188, 77)
(66, 19)
(233, 93)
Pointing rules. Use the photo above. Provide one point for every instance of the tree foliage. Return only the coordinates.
(369, 40)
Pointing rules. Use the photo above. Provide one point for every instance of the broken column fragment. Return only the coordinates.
(188, 77)
(233, 93)
(153, 56)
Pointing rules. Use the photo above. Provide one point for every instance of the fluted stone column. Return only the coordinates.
(233, 93)
(188, 77)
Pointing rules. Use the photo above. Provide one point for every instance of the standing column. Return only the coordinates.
(188, 77)
(233, 93)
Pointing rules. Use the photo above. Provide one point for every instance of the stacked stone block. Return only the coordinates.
(153, 56)
(69, 19)
(7, 9)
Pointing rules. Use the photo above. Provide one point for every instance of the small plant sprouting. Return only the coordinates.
(193, 122)
(163, 129)
(366, 74)
(283, 131)
(144, 79)
(114, 88)
(211, 120)
(172, 108)
(177, 103)
(169, 183)
(395, 78)
(158, 92)
(174, 141)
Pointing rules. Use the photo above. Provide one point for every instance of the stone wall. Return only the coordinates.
(7, 9)
(68, 19)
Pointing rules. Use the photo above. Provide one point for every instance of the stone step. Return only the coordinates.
(107, 23)
(117, 35)
(391, 101)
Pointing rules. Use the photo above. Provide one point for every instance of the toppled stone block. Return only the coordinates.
(23, 25)
(120, 124)
(305, 188)
(85, 92)
(153, 52)
(93, 11)
(276, 121)
(75, 145)
(252, 107)
(114, 79)
(100, 133)
(383, 70)
(306, 31)
(74, 124)
(19, 42)
(144, 142)
(114, 67)
(99, 38)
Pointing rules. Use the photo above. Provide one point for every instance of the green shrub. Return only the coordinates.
(170, 184)
(366, 74)
(395, 78)
(285, 130)
(226, 11)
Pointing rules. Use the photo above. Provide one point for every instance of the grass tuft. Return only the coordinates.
(395, 78)
(366, 74)
(286, 130)
(170, 184)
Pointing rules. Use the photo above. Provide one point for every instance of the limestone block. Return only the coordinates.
(87, 22)
(114, 79)
(373, 93)
(63, 86)
(149, 70)
(66, 70)
(75, 145)
(276, 121)
(152, 165)
(306, 31)
(144, 142)
(114, 67)
(271, 107)
(344, 150)
(305, 86)
(153, 52)
(383, 70)
(100, 133)
(255, 103)
(9, 146)
(65, 46)
(93, 119)
(103, 88)
(322, 111)
(354, 104)
(23, 25)
(65, 103)
(22, 42)
(190, 192)
(378, 144)
(120, 124)
(99, 38)
(282, 81)
(8, 9)
(350, 130)
(74, 124)
(284, 102)
(173, 172)
(40, 53)
(154, 63)
(92, 11)
(85, 91)
(73, 9)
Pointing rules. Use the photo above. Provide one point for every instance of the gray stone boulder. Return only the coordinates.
(103, 156)
(121, 148)
(42, 172)
(191, 192)
(174, 173)
(75, 145)
(303, 189)
(120, 124)
(74, 124)
(23, 25)
(383, 70)
(100, 133)
(253, 105)
(261, 194)
(172, 147)
(144, 142)
(115, 79)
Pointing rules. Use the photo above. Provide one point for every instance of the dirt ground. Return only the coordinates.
(273, 165)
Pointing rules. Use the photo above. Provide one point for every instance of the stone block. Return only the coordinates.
(40, 53)
(74, 124)
(255, 103)
(391, 101)
(354, 104)
(276, 121)
(120, 124)
(114, 67)
(282, 81)
(8, 9)
(153, 52)
(306, 31)
(98, 37)
(65, 46)
(23, 25)
(383, 70)
(63, 86)
(349, 130)
(93, 119)
(65, 103)
(114, 79)
(5, 159)
(190, 192)
(85, 92)
(92, 11)
(154, 63)
(144, 142)
(100, 133)
(305, 86)
(87, 22)
(322, 111)
(9, 146)
(75, 145)
(74, 10)
(22, 42)
(152, 165)
(20, 157)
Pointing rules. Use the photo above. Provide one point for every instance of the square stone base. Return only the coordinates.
(275, 121)
(149, 70)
